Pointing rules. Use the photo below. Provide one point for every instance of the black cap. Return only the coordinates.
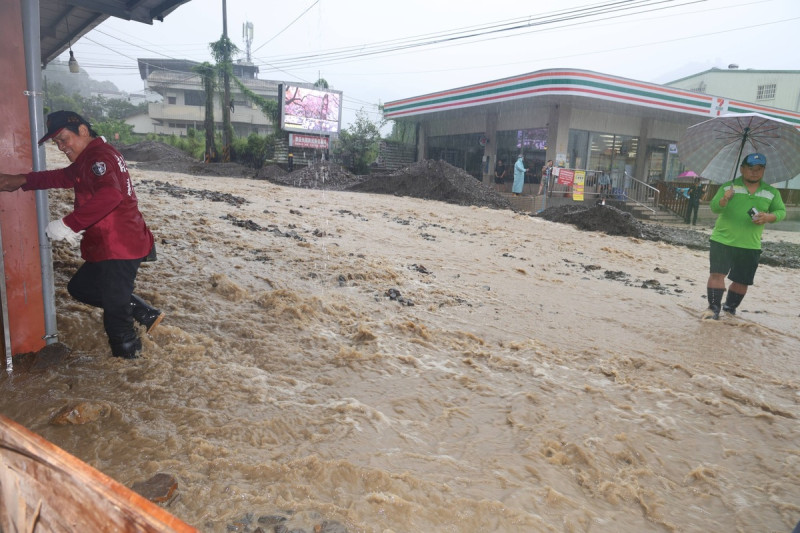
(58, 120)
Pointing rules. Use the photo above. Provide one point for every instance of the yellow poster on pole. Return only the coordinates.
(577, 186)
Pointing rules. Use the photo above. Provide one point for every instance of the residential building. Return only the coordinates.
(771, 88)
(183, 98)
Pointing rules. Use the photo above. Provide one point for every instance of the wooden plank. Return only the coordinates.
(44, 489)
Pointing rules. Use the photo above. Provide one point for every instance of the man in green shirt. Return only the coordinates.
(744, 205)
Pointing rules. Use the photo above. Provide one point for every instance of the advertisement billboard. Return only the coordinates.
(309, 110)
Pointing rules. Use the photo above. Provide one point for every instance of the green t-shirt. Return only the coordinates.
(734, 226)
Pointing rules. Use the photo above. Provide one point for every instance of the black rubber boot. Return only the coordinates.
(732, 302)
(130, 349)
(145, 315)
(714, 302)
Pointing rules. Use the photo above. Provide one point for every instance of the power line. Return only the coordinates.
(455, 36)
(287, 26)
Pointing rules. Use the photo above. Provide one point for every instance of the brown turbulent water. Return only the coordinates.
(398, 364)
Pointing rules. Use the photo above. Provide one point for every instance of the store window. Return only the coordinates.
(603, 153)
(462, 151)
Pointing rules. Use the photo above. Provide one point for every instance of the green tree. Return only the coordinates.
(268, 106)
(403, 132)
(360, 142)
(207, 73)
(222, 52)
(115, 130)
(116, 109)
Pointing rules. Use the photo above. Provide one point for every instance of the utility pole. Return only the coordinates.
(226, 104)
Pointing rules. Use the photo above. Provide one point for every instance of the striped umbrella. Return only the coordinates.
(715, 147)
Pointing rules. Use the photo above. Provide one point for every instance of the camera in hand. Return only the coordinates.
(753, 212)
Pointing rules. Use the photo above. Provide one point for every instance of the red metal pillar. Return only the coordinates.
(18, 209)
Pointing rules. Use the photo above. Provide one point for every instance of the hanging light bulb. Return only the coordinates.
(73, 63)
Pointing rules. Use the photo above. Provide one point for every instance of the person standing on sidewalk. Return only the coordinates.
(547, 171)
(696, 191)
(500, 172)
(744, 206)
(519, 176)
(105, 223)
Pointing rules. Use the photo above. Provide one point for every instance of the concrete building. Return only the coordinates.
(182, 104)
(773, 88)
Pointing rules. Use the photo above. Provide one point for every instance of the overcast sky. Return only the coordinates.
(441, 44)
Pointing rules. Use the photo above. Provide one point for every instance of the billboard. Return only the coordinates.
(309, 110)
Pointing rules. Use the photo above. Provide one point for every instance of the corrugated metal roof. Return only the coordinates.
(65, 21)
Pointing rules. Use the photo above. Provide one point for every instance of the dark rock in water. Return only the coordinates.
(80, 413)
(271, 520)
(176, 191)
(51, 355)
(331, 526)
(159, 488)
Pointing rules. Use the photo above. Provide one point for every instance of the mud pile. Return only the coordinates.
(153, 155)
(608, 219)
(434, 180)
(321, 175)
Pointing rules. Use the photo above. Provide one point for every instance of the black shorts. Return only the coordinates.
(499, 180)
(739, 264)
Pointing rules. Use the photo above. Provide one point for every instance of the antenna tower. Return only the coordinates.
(247, 35)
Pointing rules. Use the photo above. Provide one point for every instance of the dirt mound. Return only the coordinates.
(152, 151)
(609, 219)
(613, 221)
(270, 173)
(322, 175)
(434, 180)
(603, 218)
(153, 155)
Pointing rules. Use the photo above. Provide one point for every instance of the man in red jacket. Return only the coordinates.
(105, 222)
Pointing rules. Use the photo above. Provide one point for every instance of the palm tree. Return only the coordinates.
(208, 73)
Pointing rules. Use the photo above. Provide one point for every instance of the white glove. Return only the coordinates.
(58, 231)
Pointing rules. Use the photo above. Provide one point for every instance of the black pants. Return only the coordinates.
(108, 284)
(694, 207)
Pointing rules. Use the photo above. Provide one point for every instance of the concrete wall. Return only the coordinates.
(600, 120)
(18, 209)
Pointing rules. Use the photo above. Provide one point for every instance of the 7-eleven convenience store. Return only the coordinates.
(581, 119)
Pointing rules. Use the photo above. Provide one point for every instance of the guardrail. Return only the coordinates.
(641, 193)
(624, 188)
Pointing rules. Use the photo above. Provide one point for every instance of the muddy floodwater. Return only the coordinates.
(351, 361)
